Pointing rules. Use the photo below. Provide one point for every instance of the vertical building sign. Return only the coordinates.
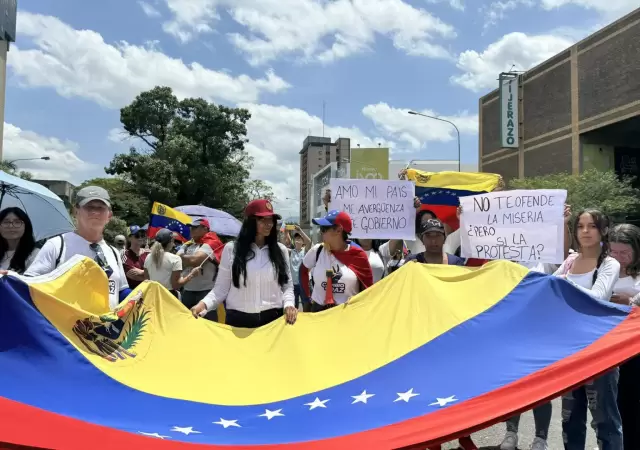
(509, 119)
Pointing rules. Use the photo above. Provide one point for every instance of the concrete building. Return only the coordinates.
(316, 154)
(62, 189)
(578, 110)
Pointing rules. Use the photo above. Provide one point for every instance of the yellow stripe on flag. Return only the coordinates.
(159, 209)
(464, 181)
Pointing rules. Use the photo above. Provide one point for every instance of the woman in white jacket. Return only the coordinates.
(594, 272)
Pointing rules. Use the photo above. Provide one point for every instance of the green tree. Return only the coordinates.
(258, 189)
(12, 169)
(590, 189)
(192, 151)
(127, 203)
(115, 227)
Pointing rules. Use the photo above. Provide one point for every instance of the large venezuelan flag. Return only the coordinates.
(440, 191)
(423, 370)
(163, 216)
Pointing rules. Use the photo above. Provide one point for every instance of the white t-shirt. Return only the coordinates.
(6, 259)
(629, 286)
(45, 261)
(345, 283)
(602, 289)
(170, 263)
(377, 265)
(204, 281)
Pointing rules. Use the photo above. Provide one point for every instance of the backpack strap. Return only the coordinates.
(61, 251)
(319, 252)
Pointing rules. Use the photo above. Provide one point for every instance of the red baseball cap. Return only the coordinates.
(260, 208)
(201, 222)
(334, 218)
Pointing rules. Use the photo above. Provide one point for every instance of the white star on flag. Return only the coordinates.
(405, 396)
(317, 403)
(227, 423)
(271, 414)
(362, 398)
(155, 435)
(185, 430)
(444, 401)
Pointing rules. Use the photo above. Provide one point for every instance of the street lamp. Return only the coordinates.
(44, 158)
(442, 120)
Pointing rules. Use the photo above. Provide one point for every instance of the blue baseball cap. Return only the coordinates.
(135, 229)
(334, 218)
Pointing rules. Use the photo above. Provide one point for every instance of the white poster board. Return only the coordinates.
(522, 225)
(379, 209)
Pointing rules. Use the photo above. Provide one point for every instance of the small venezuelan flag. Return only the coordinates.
(440, 191)
(162, 216)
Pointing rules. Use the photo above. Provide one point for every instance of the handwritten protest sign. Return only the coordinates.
(379, 209)
(524, 225)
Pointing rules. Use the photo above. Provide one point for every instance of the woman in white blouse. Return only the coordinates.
(625, 248)
(594, 272)
(17, 244)
(254, 278)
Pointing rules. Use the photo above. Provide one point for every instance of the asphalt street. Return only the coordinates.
(491, 438)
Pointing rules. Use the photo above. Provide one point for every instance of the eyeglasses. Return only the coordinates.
(12, 224)
(101, 259)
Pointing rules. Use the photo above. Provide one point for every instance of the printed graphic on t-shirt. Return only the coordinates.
(112, 287)
(338, 288)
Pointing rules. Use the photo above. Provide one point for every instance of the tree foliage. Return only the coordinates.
(12, 169)
(192, 151)
(115, 227)
(590, 189)
(126, 201)
(258, 189)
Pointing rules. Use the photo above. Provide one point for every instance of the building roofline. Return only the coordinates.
(591, 36)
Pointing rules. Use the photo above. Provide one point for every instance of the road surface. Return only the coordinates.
(491, 438)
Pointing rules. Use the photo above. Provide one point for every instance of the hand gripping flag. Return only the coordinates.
(397, 374)
(162, 216)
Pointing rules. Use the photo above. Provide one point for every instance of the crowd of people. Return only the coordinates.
(268, 273)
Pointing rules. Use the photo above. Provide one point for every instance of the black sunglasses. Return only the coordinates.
(325, 229)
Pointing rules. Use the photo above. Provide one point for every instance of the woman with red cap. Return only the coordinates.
(340, 269)
(254, 278)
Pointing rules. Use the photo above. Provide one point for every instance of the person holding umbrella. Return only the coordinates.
(92, 211)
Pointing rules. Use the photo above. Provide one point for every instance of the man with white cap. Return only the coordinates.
(92, 211)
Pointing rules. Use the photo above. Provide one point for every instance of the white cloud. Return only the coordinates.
(79, 63)
(455, 4)
(497, 10)
(63, 164)
(606, 7)
(118, 135)
(416, 131)
(481, 70)
(316, 30)
(149, 9)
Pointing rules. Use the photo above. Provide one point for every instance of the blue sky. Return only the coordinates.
(75, 63)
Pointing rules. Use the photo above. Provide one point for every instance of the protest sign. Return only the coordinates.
(524, 225)
(379, 209)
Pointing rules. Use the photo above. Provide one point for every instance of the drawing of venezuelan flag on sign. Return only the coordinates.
(149, 375)
(440, 191)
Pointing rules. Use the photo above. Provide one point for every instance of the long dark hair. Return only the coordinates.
(26, 245)
(602, 224)
(244, 252)
(630, 235)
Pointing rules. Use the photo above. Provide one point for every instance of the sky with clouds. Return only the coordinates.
(75, 63)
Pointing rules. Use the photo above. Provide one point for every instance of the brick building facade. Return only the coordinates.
(565, 101)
